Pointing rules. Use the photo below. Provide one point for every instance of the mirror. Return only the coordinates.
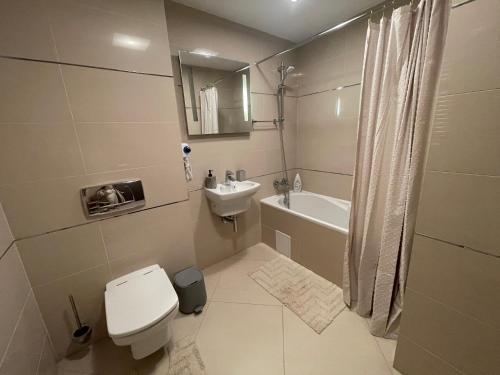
(216, 94)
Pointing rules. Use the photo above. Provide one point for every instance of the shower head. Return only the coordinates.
(285, 70)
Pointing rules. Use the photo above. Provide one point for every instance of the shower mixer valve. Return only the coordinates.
(281, 185)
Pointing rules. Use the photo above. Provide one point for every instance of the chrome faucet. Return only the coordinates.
(282, 186)
(229, 177)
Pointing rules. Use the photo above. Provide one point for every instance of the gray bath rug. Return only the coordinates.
(185, 358)
(313, 299)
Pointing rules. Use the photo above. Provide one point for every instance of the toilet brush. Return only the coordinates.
(82, 334)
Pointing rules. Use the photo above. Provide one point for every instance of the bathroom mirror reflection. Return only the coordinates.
(216, 97)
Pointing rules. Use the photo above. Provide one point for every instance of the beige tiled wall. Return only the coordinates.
(326, 115)
(450, 322)
(91, 112)
(25, 347)
(258, 152)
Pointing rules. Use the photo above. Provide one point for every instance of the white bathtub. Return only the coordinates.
(332, 213)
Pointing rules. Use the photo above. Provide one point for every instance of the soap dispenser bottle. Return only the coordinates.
(211, 180)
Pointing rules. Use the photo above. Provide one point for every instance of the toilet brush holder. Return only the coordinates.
(82, 334)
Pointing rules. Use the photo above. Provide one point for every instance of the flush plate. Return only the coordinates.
(110, 198)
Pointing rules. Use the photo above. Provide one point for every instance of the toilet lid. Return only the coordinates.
(138, 300)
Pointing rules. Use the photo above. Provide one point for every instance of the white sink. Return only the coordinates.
(232, 199)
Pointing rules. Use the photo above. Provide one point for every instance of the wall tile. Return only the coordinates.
(26, 205)
(189, 29)
(321, 49)
(327, 120)
(462, 209)
(269, 236)
(25, 30)
(6, 237)
(327, 130)
(470, 283)
(116, 146)
(24, 98)
(472, 50)
(320, 250)
(55, 255)
(277, 220)
(164, 231)
(321, 75)
(150, 11)
(337, 60)
(465, 134)
(98, 37)
(14, 289)
(87, 287)
(331, 184)
(98, 95)
(449, 325)
(264, 108)
(171, 261)
(466, 343)
(23, 354)
(30, 152)
(412, 359)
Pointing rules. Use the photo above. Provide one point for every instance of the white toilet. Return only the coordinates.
(139, 309)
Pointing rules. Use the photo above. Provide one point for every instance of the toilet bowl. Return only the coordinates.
(139, 309)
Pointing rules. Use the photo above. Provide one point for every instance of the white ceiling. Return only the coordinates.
(287, 19)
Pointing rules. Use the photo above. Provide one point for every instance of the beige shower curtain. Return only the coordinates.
(402, 60)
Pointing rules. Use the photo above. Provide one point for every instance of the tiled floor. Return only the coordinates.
(244, 330)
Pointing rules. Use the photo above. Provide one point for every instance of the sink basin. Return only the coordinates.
(232, 199)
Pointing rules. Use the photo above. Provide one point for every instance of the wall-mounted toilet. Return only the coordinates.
(139, 309)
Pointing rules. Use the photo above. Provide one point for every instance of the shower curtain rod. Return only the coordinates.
(365, 14)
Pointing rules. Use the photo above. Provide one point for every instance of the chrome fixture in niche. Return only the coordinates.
(112, 197)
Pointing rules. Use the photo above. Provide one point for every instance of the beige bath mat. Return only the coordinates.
(185, 358)
(315, 300)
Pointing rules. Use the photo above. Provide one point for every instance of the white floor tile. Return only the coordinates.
(345, 347)
(257, 252)
(242, 339)
(388, 348)
(236, 286)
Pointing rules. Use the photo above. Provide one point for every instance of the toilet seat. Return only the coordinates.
(138, 301)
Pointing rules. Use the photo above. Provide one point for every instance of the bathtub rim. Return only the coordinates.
(273, 201)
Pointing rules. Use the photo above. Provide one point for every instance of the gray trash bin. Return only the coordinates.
(190, 287)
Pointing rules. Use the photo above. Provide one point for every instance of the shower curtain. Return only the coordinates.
(402, 61)
(209, 102)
